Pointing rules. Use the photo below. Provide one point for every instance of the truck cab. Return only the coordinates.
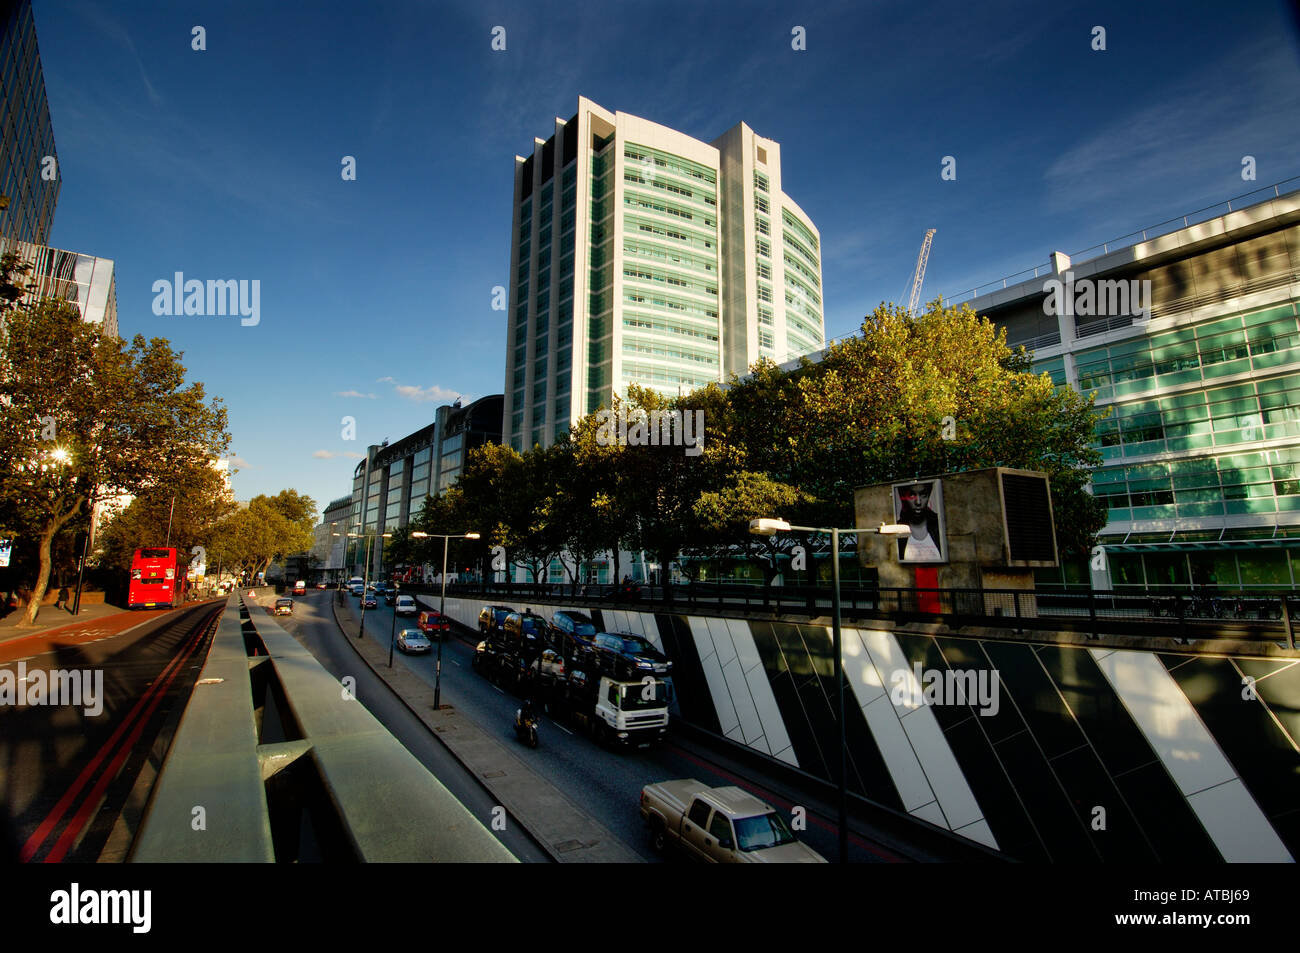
(632, 713)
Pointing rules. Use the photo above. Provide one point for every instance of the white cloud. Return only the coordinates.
(354, 393)
(330, 454)
(238, 461)
(385, 380)
(431, 393)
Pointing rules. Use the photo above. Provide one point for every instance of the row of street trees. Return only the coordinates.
(908, 397)
(86, 419)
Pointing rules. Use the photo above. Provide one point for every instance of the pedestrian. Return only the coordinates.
(63, 597)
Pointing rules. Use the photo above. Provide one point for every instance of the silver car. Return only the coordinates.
(413, 641)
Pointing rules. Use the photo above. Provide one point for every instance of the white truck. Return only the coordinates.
(720, 825)
(630, 713)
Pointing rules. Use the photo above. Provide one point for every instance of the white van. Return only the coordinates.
(356, 585)
(405, 605)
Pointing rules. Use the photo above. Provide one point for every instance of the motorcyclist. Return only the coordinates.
(525, 714)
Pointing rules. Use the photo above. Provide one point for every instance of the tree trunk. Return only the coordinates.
(666, 567)
(45, 553)
(572, 573)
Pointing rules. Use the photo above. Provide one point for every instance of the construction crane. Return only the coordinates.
(919, 276)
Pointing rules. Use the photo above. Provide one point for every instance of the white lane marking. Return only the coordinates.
(499, 690)
(561, 727)
(455, 663)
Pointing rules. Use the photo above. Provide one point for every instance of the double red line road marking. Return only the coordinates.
(134, 722)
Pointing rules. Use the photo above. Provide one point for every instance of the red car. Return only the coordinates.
(432, 621)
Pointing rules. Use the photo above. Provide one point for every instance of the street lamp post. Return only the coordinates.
(442, 606)
(769, 527)
(365, 584)
(392, 631)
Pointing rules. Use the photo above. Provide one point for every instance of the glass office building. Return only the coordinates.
(83, 280)
(1202, 445)
(26, 134)
(640, 254)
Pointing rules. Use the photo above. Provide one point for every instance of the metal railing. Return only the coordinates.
(1181, 614)
(1196, 217)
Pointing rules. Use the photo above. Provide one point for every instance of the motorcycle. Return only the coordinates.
(526, 727)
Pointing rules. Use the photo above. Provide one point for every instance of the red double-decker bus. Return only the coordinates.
(157, 579)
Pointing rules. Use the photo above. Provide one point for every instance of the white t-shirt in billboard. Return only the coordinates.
(922, 550)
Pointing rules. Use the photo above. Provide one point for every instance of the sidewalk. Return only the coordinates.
(50, 619)
(561, 827)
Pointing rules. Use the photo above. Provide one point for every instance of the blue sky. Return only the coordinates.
(225, 163)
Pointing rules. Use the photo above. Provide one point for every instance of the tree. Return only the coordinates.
(84, 417)
(662, 484)
(193, 506)
(270, 528)
(13, 280)
(597, 484)
(725, 514)
(910, 397)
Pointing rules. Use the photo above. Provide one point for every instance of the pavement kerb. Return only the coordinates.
(539, 806)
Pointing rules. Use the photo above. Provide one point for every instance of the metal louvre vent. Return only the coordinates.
(1029, 518)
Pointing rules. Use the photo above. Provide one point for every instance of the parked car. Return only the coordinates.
(284, 607)
(412, 641)
(491, 618)
(720, 825)
(405, 605)
(431, 621)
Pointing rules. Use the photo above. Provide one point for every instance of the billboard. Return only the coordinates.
(919, 505)
(6, 548)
